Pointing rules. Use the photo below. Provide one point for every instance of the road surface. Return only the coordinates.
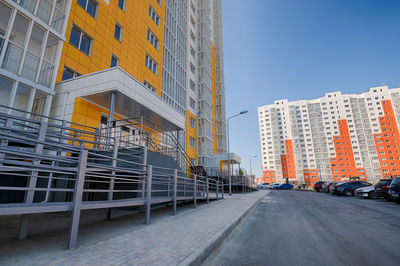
(309, 228)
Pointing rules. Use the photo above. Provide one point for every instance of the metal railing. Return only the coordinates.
(49, 165)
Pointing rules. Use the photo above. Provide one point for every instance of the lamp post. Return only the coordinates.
(252, 157)
(229, 155)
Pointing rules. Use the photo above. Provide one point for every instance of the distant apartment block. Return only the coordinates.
(337, 137)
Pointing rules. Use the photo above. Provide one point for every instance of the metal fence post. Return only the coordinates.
(222, 189)
(216, 188)
(207, 190)
(113, 173)
(175, 188)
(144, 170)
(148, 192)
(32, 180)
(195, 191)
(76, 205)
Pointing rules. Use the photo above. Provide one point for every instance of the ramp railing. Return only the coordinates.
(49, 165)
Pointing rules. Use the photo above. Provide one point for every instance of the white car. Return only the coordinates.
(274, 186)
(365, 192)
(265, 185)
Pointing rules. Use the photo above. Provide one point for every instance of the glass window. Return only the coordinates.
(39, 102)
(75, 37)
(5, 13)
(91, 8)
(121, 4)
(50, 49)
(67, 74)
(28, 4)
(21, 98)
(80, 40)
(32, 57)
(118, 32)
(85, 44)
(114, 61)
(5, 91)
(44, 10)
(89, 5)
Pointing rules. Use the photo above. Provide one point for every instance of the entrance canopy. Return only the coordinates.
(132, 98)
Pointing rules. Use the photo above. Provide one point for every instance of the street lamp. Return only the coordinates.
(255, 156)
(229, 155)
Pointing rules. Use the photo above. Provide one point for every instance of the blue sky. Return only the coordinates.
(300, 49)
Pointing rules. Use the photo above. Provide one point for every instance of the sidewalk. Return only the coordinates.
(169, 240)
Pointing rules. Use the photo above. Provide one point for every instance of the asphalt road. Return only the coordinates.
(309, 228)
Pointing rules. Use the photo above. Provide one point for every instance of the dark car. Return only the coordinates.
(318, 186)
(394, 189)
(382, 188)
(347, 188)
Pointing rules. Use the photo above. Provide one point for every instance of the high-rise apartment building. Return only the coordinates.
(91, 62)
(337, 137)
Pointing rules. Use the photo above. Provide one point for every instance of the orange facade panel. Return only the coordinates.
(287, 162)
(269, 176)
(310, 176)
(343, 166)
(388, 142)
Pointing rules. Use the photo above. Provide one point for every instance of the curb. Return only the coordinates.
(196, 258)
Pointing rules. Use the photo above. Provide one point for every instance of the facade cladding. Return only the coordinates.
(172, 48)
(338, 137)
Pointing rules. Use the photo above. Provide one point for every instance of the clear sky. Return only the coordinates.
(300, 49)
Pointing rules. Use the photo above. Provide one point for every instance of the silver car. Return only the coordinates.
(365, 192)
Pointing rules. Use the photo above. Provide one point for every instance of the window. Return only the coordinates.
(151, 64)
(121, 4)
(80, 40)
(192, 142)
(118, 32)
(192, 122)
(114, 61)
(89, 5)
(6, 86)
(152, 38)
(149, 86)
(191, 103)
(192, 85)
(192, 67)
(69, 73)
(154, 16)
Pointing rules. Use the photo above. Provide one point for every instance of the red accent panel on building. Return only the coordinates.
(269, 176)
(310, 176)
(287, 161)
(388, 142)
(343, 166)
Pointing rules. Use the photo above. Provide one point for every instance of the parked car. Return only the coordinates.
(382, 188)
(318, 186)
(347, 188)
(270, 186)
(394, 189)
(285, 186)
(264, 185)
(325, 187)
(276, 185)
(365, 192)
(332, 187)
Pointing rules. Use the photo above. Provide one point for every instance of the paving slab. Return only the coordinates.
(184, 239)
